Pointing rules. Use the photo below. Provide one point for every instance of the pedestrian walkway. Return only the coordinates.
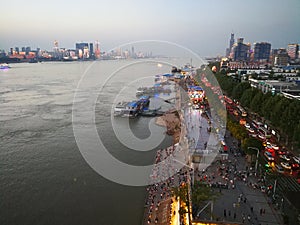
(240, 200)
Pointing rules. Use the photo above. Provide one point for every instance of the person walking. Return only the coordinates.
(249, 217)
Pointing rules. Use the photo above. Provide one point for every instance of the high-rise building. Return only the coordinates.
(27, 50)
(231, 42)
(132, 52)
(80, 48)
(292, 51)
(240, 51)
(280, 57)
(56, 53)
(97, 50)
(91, 49)
(17, 50)
(262, 51)
(55, 44)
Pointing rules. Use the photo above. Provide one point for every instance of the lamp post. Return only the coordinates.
(256, 161)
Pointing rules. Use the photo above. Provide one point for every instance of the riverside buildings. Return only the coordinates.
(240, 55)
(82, 51)
(293, 51)
(262, 51)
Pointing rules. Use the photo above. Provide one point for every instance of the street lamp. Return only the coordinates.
(256, 162)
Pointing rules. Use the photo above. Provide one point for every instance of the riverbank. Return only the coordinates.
(171, 121)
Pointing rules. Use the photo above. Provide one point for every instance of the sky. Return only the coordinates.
(204, 26)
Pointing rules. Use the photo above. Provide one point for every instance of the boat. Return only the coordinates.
(120, 108)
(70, 58)
(33, 60)
(152, 112)
(145, 100)
(129, 109)
(4, 66)
(133, 109)
(151, 91)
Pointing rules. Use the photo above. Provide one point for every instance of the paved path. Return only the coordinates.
(241, 202)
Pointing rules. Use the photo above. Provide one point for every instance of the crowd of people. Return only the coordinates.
(166, 175)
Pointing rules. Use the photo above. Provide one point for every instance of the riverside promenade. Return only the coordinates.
(172, 167)
(243, 201)
(240, 202)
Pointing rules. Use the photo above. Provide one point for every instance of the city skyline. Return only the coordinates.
(203, 27)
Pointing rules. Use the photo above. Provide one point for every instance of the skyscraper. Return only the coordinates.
(240, 51)
(81, 48)
(292, 51)
(97, 49)
(231, 42)
(262, 51)
(91, 49)
(280, 57)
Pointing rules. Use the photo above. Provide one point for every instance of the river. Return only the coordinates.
(44, 178)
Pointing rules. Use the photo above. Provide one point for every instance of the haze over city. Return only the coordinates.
(203, 26)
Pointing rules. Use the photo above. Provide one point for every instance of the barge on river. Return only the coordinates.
(132, 109)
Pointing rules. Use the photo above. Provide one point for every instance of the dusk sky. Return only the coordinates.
(200, 25)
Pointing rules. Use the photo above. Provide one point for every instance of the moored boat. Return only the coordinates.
(133, 109)
(145, 100)
(4, 66)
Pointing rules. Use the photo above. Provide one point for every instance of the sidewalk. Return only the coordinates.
(242, 201)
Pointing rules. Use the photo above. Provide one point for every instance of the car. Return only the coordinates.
(247, 125)
(196, 106)
(276, 147)
(285, 157)
(295, 166)
(281, 152)
(251, 130)
(296, 159)
(285, 165)
(271, 145)
(269, 156)
(279, 168)
(261, 136)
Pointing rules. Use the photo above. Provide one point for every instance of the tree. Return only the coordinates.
(251, 142)
(277, 111)
(239, 89)
(247, 96)
(269, 104)
(296, 136)
(256, 102)
(201, 192)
